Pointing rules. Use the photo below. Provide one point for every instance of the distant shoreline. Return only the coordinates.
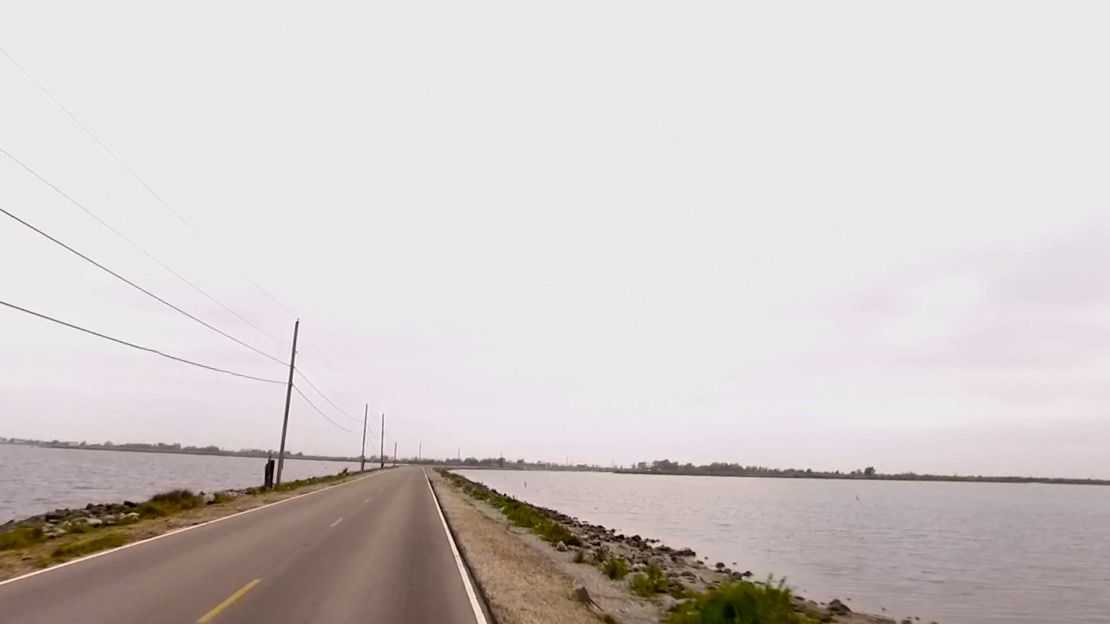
(661, 468)
(883, 477)
(125, 449)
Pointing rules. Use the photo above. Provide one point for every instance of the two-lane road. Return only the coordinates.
(373, 550)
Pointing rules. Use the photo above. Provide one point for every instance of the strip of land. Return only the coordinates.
(537, 566)
(368, 548)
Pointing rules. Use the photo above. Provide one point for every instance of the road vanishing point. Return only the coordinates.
(375, 549)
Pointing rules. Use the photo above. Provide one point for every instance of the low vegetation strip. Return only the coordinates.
(63, 534)
(683, 588)
(88, 546)
(519, 513)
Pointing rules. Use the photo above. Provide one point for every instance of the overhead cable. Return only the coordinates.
(127, 240)
(324, 396)
(136, 286)
(135, 346)
(313, 406)
(142, 182)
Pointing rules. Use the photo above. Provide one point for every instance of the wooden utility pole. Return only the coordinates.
(394, 453)
(288, 397)
(381, 452)
(420, 452)
(365, 414)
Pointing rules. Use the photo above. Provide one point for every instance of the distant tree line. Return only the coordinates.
(665, 466)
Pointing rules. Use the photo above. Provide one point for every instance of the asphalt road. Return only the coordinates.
(370, 551)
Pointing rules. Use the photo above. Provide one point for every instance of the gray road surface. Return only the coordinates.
(369, 551)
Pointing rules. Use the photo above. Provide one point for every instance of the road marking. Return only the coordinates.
(183, 529)
(207, 617)
(479, 615)
(336, 523)
(366, 500)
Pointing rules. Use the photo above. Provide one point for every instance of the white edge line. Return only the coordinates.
(181, 530)
(479, 615)
(336, 523)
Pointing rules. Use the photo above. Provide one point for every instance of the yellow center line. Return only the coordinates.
(207, 617)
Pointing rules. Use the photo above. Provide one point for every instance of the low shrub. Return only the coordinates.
(221, 497)
(740, 603)
(21, 537)
(168, 503)
(615, 569)
(579, 556)
(649, 582)
(84, 547)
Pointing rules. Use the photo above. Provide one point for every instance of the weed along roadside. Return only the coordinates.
(65, 534)
(636, 580)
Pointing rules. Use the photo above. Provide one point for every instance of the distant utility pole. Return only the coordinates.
(420, 452)
(458, 454)
(381, 452)
(394, 453)
(365, 414)
(288, 397)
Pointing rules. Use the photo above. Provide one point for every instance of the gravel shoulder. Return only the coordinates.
(523, 579)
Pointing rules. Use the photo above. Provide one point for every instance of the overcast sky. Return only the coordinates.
(800, 234)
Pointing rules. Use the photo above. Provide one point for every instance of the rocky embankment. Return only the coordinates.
(63, 521)
(94, 515)
(684, 574)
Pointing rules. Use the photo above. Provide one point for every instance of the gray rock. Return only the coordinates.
(94, 522)
(561, 547)
(668, 602)
(838, 608)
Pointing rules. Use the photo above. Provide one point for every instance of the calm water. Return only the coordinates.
(40, 479)
(959, 553)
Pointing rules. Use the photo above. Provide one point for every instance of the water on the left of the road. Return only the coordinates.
(40, 479)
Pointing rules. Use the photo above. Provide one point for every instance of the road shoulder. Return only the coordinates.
(522, 578)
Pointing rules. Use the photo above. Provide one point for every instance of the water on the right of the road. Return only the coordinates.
(957, 553)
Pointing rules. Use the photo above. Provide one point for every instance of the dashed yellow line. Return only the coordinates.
(207, 617)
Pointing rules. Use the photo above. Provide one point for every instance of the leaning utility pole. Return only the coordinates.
(288, 397)
(381, 452)
(365, 413)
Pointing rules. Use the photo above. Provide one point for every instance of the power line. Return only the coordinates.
(128, 240)
(135, 346)
(168, 207)
(141, 181)
(313, 405)
(136, 286)
(309, 381)
(335, 373)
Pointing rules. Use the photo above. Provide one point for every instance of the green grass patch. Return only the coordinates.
(518, 512)
(221, 497)
(76, 526)
(84, 547)
(169, 503)
(21, 537)
(579, 556)
(615, 569)
(649, 582)
(740, 603)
